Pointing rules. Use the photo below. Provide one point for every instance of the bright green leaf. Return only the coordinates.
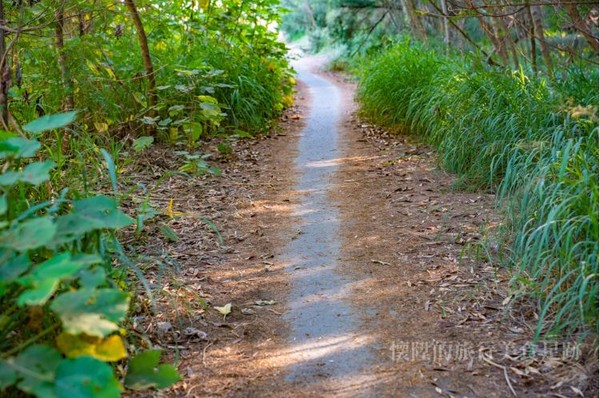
(86, 377)
(59, 266)
(51, 122)
(141, 143)
(12, 267)
(194, 130)
(145, 372)
(92, 278)
(18, 147)
(3, 205)
(9, 178)
(36, 367)
(139, 98)
(95, 312)
(4, 135)
(45, 277)
(36, 173)
(39, 294)
(30, 234)
(89, 215)
(8, 376)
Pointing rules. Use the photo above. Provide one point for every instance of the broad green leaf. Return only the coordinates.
(45, 277)
(34, 174)
(211, 111)
(12, 267)
(86, 377)
(95, 312)
(141, 143)
(145, 372)
(139, 98)
(103, 211)
(50, 122)
(107, 349)
(39, 294)
(207, 99)
(175, 109)
(8, 376)
(4, 135)
(36, 367)
(18, 147)
(3, 205)
(194, 130)
(87, 259)
(88, 215)
(30, 234)
(165, 122)
(59, 266)
(9, 178)
(92, 278)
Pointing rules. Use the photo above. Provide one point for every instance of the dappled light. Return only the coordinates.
(299, 198)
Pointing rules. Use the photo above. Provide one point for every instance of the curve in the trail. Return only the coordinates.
(324, 346)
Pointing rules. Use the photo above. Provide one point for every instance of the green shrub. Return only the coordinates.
(532, 141)
(61, 310)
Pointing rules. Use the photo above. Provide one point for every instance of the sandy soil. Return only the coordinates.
(434, 311)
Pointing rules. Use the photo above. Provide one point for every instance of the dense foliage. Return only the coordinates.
(215, 68)
(532, 141)
(84, 85)
(57, 282)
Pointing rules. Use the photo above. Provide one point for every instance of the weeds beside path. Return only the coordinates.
(433, 310)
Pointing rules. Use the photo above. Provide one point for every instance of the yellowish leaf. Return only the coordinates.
(107, 349)
(224, 310)
(173, 134)
(101, 127)
(160, 46)
(203, 4)
(110, 73)
(92, 67)
(170, 211)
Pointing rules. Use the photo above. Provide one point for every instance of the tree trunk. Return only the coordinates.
(62, 59)
(507, 39)
(538, 28)
(580, 25)
(444, 5)
(416, 26)
(4, 74)
(143, 41)
(531, 35)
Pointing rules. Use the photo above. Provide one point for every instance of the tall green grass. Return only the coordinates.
(532, 141)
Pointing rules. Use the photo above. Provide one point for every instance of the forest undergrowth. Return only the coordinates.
(85, 89)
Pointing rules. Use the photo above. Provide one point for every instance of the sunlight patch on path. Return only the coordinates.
(324, 345)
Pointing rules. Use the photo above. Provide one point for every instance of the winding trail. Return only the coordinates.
(357, 242)
(324, 338)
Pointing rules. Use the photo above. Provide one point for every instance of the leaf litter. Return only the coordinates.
(407, 229)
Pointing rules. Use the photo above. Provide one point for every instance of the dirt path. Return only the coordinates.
(353, 270)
